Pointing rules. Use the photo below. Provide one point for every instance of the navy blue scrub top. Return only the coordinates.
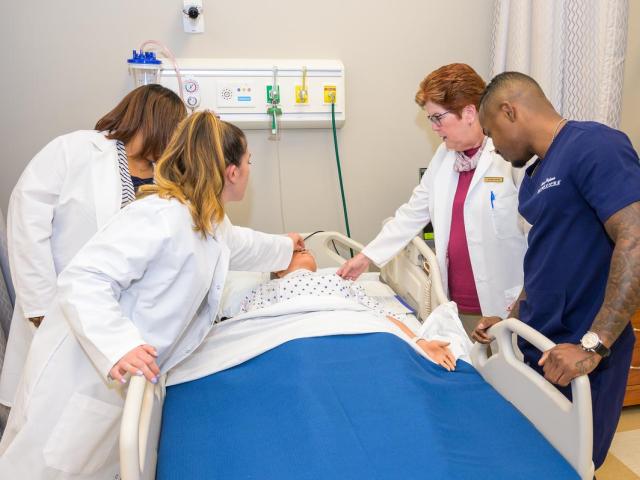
(589, 173)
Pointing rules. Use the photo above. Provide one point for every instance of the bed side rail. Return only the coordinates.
(413, 273)
(415, 276)
(140, 429)
(323, 245)
(566, 425)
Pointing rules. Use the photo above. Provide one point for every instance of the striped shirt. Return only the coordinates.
(128, 192)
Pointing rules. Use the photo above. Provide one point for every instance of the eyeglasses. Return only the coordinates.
(436, 118)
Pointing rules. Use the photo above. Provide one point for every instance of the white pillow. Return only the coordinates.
(237, 286)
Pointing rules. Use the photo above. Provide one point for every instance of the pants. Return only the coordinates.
(469, 322)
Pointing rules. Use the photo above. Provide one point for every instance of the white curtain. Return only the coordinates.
(7, 296)
(7, 299)
(574, 49)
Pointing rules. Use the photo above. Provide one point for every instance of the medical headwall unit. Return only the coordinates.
(263, 93)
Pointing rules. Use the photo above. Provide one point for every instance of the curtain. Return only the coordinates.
(7, 299)
(574, 49)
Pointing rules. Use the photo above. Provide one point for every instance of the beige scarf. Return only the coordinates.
(466, 164)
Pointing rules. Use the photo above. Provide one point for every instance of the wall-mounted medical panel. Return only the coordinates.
(241, 90)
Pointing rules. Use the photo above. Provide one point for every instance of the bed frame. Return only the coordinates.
(415, 276)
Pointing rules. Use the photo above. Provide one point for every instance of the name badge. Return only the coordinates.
(494, 179)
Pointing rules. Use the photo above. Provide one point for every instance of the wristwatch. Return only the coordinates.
(590, 342)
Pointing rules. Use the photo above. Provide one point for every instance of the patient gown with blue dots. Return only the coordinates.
(348, 407)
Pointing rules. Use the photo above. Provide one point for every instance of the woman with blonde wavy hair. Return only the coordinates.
(137, 299)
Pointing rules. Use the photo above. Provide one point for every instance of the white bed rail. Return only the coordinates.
(413, 273)
(322, 246)
(415, 276)
(567, 425)
(140, 429)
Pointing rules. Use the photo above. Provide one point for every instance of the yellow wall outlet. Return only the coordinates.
(330, 94)
(302, 96)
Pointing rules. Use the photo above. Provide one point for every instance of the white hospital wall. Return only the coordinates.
(66, 67)
(63, 67)
(630, 122)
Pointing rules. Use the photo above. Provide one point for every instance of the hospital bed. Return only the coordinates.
(414, 275)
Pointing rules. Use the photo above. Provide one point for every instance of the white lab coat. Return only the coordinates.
(495, 235)
(147, 277)
(68, 190)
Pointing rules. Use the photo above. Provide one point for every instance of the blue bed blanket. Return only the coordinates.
(348, 407)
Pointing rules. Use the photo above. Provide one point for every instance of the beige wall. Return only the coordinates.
(72, 70)
(630, 122)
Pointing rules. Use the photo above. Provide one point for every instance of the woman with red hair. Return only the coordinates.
(470, 195)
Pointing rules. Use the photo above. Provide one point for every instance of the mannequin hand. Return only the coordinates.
(298, 242)
(480, 332)
(139, 361)
(439, 352)
(566, 361)
(352, 269)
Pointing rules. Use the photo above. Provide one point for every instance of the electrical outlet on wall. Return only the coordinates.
(192, 16)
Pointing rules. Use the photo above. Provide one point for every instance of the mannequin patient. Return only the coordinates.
(300, 278)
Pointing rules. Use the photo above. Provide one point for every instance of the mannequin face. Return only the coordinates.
(300, 260)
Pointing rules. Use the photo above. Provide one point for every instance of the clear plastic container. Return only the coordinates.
(145, 68)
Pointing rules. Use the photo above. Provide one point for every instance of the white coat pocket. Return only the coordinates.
(84, 436)
(504, 216)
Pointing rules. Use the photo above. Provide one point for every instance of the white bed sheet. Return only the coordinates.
(246, 336)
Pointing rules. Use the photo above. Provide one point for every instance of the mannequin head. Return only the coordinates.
(302, 259)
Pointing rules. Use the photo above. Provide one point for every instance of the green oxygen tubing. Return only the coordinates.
(335, 144)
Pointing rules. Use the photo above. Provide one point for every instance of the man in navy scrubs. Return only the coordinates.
(582, 267)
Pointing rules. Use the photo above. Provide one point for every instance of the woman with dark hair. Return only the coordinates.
(470, 194)
(70, 189)
(137, 299)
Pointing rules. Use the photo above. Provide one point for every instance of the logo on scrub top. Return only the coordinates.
(548, 183)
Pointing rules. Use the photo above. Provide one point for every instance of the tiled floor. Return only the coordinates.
(627, 447)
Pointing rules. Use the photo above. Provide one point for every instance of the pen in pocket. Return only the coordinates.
(493, 198)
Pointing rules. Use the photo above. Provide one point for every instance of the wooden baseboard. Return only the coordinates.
(632, 395)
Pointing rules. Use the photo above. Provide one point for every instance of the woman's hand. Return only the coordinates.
(139, 361)
(480, 333)
(352, 269)
(298, 241)
(439, 352)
